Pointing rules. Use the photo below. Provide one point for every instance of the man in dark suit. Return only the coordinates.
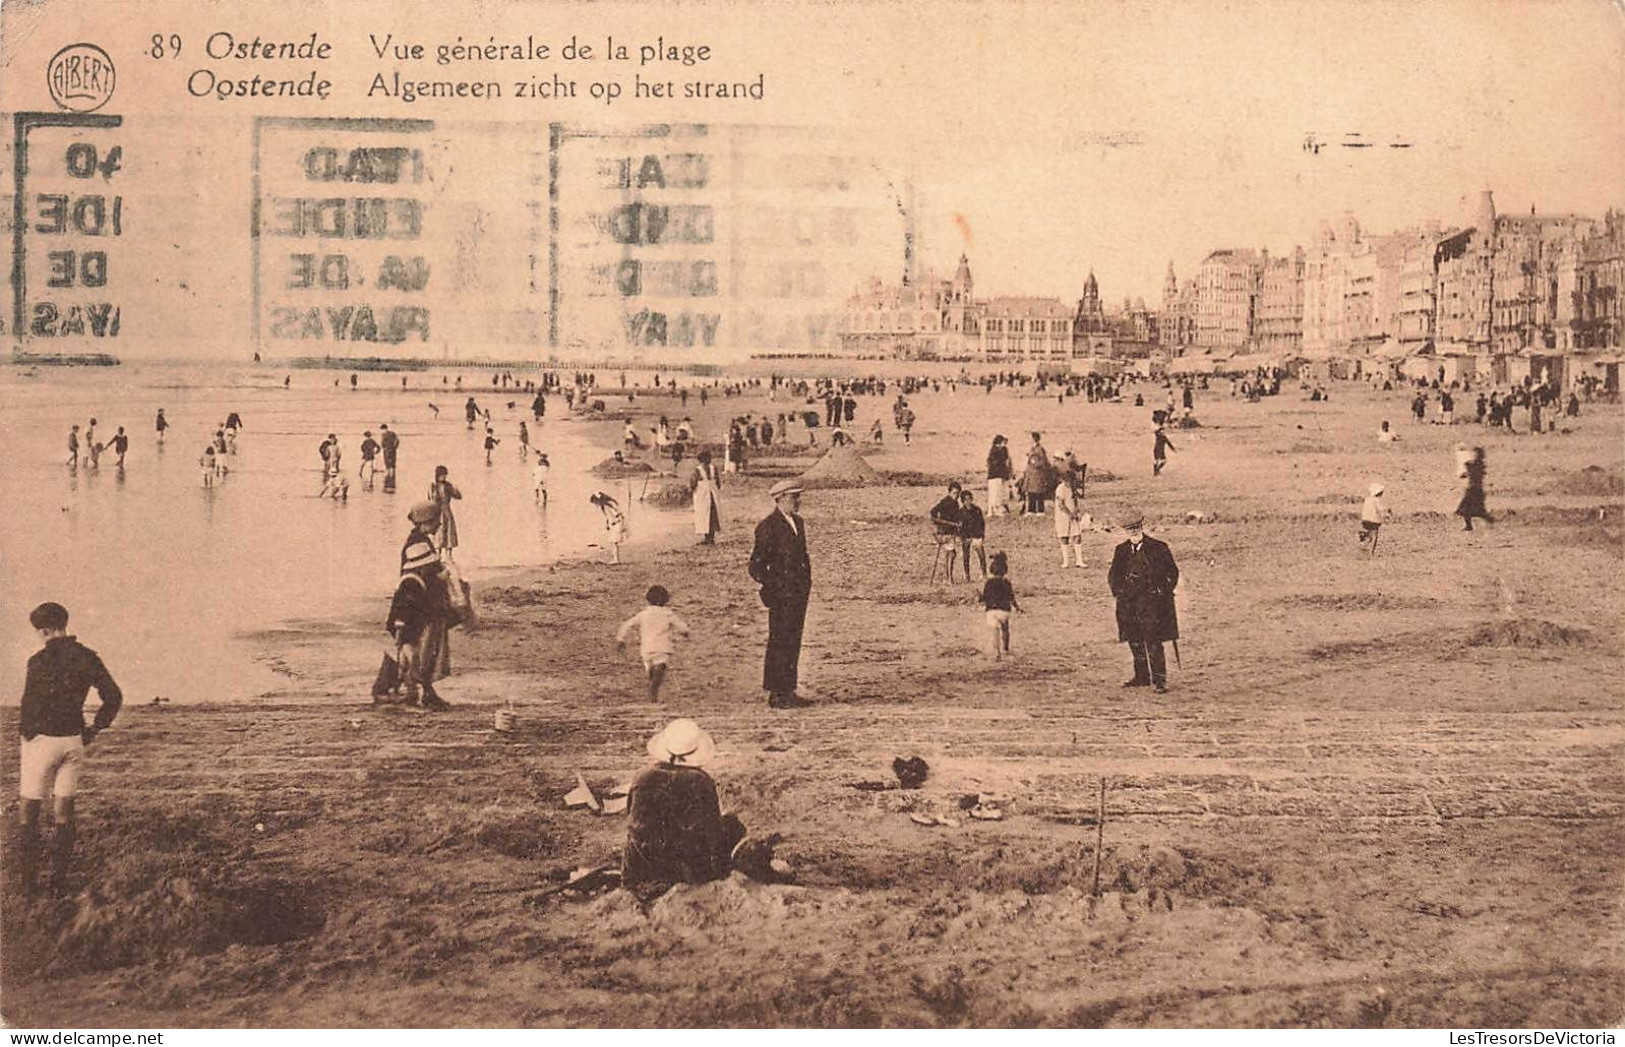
(1142, 578)
(779, 564)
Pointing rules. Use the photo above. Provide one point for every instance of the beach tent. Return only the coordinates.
(1423, 367)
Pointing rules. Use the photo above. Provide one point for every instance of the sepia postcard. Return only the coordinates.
(747, 514)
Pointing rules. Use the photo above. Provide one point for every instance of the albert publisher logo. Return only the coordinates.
(81, 78)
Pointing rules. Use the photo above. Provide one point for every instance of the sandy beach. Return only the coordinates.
(1380, 791)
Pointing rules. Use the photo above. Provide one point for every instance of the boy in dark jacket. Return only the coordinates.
(54, 736)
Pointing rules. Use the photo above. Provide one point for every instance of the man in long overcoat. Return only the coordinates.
(1142, 578)
(780, 565)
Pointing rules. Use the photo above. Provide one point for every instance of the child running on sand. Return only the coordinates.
(655, 625)
(998, 600)
(1472, 507)
(1160, 446)
(491, 442)
(614, 524)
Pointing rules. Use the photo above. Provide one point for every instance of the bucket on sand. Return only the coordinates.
(506, 720)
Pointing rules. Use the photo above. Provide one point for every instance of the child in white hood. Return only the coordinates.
(1463, 455)
(1372, 516)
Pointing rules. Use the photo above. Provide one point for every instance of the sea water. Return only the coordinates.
(167, 579)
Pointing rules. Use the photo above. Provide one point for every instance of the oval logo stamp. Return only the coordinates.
(81, 78)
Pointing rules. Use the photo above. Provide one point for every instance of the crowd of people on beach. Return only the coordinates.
(667, 839)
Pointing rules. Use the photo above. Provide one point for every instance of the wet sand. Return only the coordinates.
(1379, 791)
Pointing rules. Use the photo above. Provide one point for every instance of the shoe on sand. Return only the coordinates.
(1137, 682)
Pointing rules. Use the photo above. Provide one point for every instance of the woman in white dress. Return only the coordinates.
(1000, 472)
(707, 504)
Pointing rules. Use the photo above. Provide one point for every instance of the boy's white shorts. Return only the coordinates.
(50, 764)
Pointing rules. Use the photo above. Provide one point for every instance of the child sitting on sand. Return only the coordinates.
(998, 600)
(655, 625)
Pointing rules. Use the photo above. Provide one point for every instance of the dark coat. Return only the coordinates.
(779, 561)
(998, 464)
(1039, 475)
(677, 831)
(420, 602)
(59, 679)
(1472, 496)
(1143, 584)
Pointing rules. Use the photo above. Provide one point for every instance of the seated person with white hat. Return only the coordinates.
(677, 831)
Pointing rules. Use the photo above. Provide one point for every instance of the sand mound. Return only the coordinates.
(1593, 479)
(1529, 633)
(842, 467)
(674, 494)
(610, 467)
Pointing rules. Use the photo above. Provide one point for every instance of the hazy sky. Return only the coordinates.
(1525, 98)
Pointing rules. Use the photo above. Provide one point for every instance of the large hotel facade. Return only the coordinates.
(1544, 287)
(937, 319)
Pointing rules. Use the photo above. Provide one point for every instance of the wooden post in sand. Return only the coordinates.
(1100, 835)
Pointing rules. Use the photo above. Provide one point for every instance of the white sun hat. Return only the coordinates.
(682, 742)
